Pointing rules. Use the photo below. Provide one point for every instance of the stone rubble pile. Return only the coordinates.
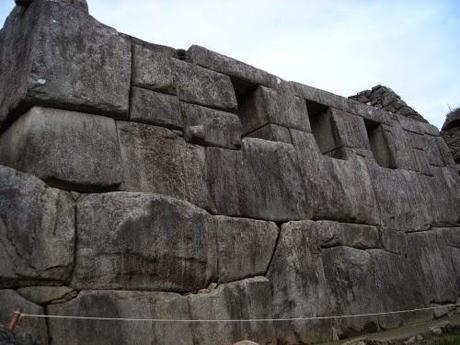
(137, 181)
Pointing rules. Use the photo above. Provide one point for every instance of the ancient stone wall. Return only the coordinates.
(141, 181)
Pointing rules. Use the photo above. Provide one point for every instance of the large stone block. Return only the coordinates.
(242, 300)
(66, 149)
(211, 127)
(153, 69)
(273, 133)
(129, 304)
(441, 193)
(430, 256)
(350, 129)
(155, 108)
(350, 275)
(227, 65)
(57, 55)
(398, 287)
(263, 181)
(332, 186)
(299, 285)
(36, 230)
(401, 199)
(157, 160)
(245, 299)
(280, 107)
(198, 85)
(29, 330)
(143, 241)
(244, 247)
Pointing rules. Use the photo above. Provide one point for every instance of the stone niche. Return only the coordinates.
(139, 181)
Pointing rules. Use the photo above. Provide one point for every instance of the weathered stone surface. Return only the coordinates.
(338, 102)
(244, 247)
(332, 185)
(273, 133)
(385, 98)
(153, 69)
(351, 130)
(239, 300)
(6, 336)
(430, 257)
(263, 181)
(47, 294)
(204, 87)
(349, 274)
(392, 272)
(82, 4)
(64, 148)
(299, 285)
(130, 304)
(36, 230)
(452, 120)
(29, 330)
(401, 199)
(155, 108)
(246, 299)
(40, 67)
(156, 160)
(333, 234)
(143, 241)
(393, 241)
(211, 127)
(234, 68)
(279, 107)
(441, 194)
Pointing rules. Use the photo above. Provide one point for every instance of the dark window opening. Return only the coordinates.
(324, 130)
(379, 145)
(245, 92)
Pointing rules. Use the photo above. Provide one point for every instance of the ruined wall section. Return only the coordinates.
(141, 181)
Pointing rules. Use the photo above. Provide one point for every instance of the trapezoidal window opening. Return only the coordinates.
(245, 93)
(379, 145)
(324, 130)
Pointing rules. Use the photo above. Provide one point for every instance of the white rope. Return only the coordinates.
(330, 317)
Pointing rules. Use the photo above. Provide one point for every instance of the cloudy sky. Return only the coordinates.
(343, 46)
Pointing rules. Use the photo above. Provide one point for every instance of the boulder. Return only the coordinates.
(67, 149)
(198, 85)
(155, 108)
(36, 230)
(211, 127)
(157, 160)
(143, 241)
(29, 330)
(39, 65)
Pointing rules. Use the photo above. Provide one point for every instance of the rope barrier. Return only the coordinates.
(310, 318)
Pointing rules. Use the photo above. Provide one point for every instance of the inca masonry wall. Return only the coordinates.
(142, 181)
